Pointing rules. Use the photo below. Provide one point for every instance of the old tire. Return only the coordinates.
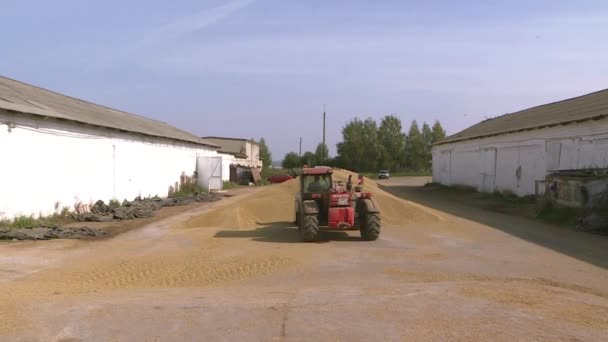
(309, 228)
(370, 226)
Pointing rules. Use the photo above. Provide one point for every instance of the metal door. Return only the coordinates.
(215, 170)
(487, 161)
(209, 173)
(445, 167)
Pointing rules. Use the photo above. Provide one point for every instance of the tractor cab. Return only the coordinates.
(316, 184)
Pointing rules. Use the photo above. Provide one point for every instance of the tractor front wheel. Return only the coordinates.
(370, 226)
(309, 228)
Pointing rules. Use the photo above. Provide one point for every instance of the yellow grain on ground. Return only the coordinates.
(421, 280)
(276, 204)
(193, 266)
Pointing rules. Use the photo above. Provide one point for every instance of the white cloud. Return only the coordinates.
(102, 57)
(192, 23)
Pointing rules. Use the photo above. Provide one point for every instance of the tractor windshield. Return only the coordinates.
(317, 183)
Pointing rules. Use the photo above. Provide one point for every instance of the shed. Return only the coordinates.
(514, 151)
(238, 151)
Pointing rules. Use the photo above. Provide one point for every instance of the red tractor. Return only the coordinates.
(333, 206)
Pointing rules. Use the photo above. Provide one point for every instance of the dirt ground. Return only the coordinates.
(235, 270)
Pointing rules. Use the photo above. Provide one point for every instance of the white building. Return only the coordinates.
(236, 152)
(513, 151)
(60, 151)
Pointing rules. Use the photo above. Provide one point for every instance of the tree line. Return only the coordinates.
(369, 146)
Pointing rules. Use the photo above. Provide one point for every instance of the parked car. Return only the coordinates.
(279, 178)
(384, 174)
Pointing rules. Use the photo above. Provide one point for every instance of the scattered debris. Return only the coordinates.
(100, 212)
(47, 233)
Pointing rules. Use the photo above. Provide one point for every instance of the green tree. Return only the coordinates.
(437, 132)
(359, 149)
(391, 142)
(291, 161)
(371, 146)
(335, 162)
(427, 135)
(321, 154)
(414, 148)
(427, 138)
(265, 155)
(349, 151)
(308, 158)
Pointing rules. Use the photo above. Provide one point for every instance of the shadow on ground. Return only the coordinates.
(584, 246)
(283, 232)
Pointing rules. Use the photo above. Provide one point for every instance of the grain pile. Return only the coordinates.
(276, 204)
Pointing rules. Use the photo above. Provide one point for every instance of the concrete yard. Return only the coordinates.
(236, 270)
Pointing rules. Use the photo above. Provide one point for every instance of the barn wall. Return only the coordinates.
(465, 166)
(253, 156)
(522, 158)
(45, 162)
(227, 160)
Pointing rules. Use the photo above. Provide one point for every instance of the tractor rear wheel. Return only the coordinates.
(309, 228)
(370, 226)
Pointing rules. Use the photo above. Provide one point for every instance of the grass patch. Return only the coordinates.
(60, 217)
(188, 189)
(268, 172)
(263, 182)
(230, 185)
(509, 198)
(114, 203)
(560, 215)
(186, 186)
(24, 222)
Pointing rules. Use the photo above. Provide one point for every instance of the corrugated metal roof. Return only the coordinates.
(234, 146)
(228, 138)
(582, 108)
(24, 98)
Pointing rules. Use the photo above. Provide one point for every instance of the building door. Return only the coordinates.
(210, 173)
(445, 167)
(488, 169)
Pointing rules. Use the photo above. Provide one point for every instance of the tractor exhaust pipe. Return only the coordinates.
(349, 184)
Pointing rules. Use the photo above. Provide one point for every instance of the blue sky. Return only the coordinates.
(264, 68)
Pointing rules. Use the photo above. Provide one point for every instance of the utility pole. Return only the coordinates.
(324, 145)
(300, 155)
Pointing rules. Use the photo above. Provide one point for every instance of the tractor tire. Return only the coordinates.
(309, 228)
(370, 226)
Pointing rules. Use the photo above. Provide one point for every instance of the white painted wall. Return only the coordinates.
(227, 160)
(253, 155)
(524, 157)
(49, 162)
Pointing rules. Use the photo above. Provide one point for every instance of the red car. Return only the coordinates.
(279, 178)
